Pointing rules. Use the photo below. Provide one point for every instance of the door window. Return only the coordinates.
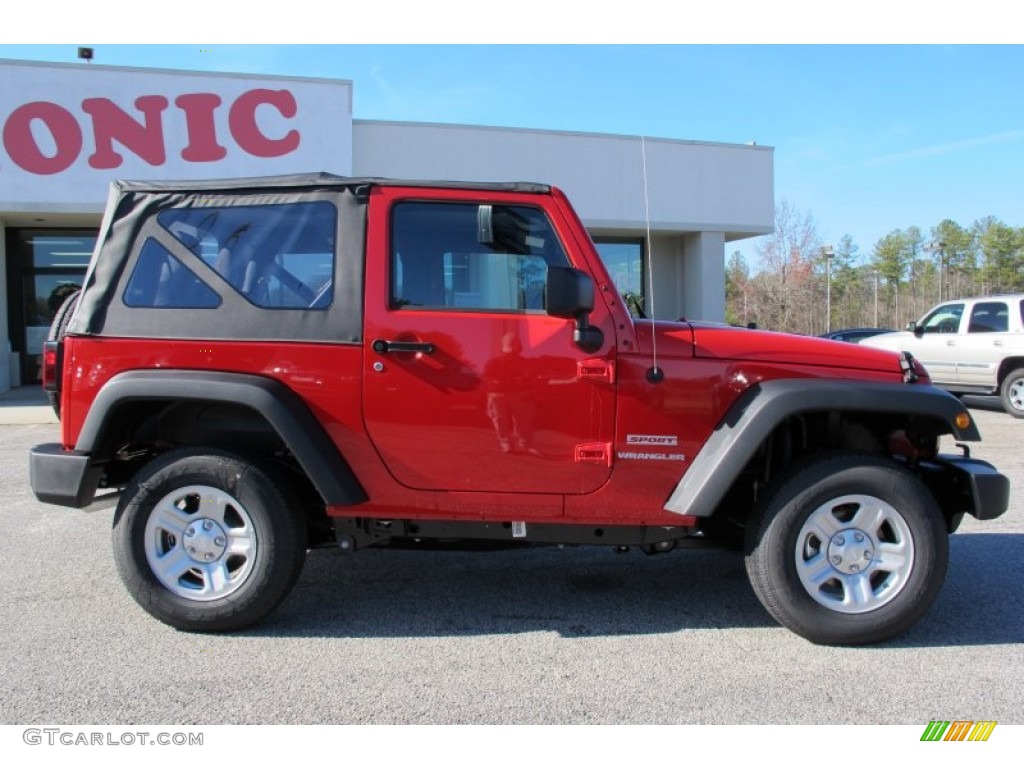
(462, 256)
(944, 319)
(989, 317)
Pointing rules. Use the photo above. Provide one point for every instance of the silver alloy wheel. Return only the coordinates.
(854, 554)
(1015, 393)
(200, 543)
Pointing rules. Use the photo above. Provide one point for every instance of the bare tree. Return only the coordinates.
(788, 259)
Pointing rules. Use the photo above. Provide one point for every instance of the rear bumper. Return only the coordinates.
(62, 477)
(977, 486)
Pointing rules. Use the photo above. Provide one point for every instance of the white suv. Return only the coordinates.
(969, 346)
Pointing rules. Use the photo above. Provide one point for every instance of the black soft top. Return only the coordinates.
(131, 220)
(320, 180)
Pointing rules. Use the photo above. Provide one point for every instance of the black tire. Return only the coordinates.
(840, 523)
(1012, 393)
(59, 329)
(241, 522)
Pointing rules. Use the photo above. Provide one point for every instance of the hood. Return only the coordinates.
(673, 339)
(895, 341)
(727, 342)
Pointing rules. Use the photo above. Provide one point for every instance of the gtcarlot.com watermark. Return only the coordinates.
(70, 737)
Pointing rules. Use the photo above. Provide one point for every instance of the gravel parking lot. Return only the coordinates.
(526, 636)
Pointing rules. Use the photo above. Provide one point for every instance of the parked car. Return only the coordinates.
(970, 347)
(854, 335)
(255, 367)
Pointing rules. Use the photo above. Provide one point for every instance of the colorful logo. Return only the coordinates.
(958, 730)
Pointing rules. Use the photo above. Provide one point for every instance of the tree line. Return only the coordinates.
(806, 286)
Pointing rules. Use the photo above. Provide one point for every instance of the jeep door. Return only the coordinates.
(469, 384)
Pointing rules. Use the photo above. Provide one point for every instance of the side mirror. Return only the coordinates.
(570, 294)
(914, 328)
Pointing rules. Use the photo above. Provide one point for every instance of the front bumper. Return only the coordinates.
(62, 477)
(963, 484)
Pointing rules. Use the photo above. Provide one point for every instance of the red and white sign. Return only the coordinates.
(67, 131)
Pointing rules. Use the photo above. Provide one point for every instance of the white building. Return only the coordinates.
(67, 130)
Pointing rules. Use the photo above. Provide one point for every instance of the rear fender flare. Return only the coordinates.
(283, 409)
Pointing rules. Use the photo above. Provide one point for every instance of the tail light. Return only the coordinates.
(51, 366)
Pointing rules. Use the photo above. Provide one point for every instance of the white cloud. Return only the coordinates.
(946, 149)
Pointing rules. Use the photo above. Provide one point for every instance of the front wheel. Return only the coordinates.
(851, 549)
(205, 540)
(1012, 393)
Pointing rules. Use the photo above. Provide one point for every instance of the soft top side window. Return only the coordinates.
(160, 281)
(278, 256)
(471, 257)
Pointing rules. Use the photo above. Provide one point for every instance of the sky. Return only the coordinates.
(867, 138)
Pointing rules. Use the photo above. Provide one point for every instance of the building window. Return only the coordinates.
(624, 260)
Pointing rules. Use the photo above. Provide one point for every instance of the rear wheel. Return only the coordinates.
(851, 549)
(204, 540)
(1012, 393)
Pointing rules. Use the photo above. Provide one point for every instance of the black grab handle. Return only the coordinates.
(382, 347)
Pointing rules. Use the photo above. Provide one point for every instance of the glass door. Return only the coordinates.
(44, 267)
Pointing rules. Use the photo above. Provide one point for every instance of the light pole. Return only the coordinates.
(829, 253)
(939, 247)
(876, 298)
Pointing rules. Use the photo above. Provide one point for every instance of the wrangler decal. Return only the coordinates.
(630, 455)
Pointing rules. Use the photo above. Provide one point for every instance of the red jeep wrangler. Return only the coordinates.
(255, 367)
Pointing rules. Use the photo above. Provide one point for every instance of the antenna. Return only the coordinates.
(654, 373)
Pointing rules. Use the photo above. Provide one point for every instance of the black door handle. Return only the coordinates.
(380, 346)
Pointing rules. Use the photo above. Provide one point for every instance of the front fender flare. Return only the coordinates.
(761, 408)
